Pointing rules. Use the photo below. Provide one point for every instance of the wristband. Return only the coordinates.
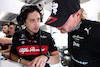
(47, 57)
(19, 60)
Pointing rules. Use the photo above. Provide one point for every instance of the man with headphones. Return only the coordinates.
(31, 45)
(12, 28)
(5, 48)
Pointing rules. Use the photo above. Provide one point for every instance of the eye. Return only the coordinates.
(32, 20)
(38, 19)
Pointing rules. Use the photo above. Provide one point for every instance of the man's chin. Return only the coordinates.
(36, 31)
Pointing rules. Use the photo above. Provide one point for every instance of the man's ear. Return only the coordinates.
(78, 13)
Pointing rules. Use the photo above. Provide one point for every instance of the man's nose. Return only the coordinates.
(36, 22)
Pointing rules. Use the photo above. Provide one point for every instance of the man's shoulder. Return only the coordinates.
(44, 33)
(90, 23)
(18, 33)
(93, 25)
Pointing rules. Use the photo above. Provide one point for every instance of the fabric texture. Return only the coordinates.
(84, 45)
(27, 46)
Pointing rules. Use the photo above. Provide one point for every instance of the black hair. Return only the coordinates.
(12, 23)
(6, 24)
(25, 11)
(17, 27)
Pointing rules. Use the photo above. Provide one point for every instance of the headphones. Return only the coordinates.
(27, 9)
(18, 27)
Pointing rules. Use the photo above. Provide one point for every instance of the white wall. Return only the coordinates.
(92, 8)
(12, 6)
(61, 39)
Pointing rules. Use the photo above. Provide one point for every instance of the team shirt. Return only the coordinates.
(84, 45)
(27, 46)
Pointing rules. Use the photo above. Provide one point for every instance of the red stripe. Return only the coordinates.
(31, 50)
(33, 41)
(53, 19)
(27, 40)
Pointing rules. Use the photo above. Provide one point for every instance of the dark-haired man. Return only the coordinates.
(5, 28)
(5, 47)
(31, 45)
(83, 35)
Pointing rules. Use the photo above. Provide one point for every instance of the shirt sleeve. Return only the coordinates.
(14, 44)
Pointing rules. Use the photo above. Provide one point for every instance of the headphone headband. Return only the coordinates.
(26, 9)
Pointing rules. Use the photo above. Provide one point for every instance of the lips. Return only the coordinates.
(36, 28)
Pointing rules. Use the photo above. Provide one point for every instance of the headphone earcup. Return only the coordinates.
(41, 11)
(17, 27)
(42, 14)
(41, 18)
(19, 20)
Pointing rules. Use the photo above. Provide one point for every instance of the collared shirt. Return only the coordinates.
(27, 46)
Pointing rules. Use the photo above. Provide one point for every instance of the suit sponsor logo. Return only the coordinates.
(76, 44)
(77, 38)
(87, 30)
(43, 36)
(80, 62)
(32, 49)
(23, 36)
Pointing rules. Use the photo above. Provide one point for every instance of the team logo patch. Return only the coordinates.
(43, 36)
(87, 30)
(77, 38)
(23, 42)
(23, 36)
(54, 7)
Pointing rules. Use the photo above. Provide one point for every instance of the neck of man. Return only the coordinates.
(78, 25)
(32, 33)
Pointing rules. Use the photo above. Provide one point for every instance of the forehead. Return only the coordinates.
(5, 26)
(33, 14)
(12, 26)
